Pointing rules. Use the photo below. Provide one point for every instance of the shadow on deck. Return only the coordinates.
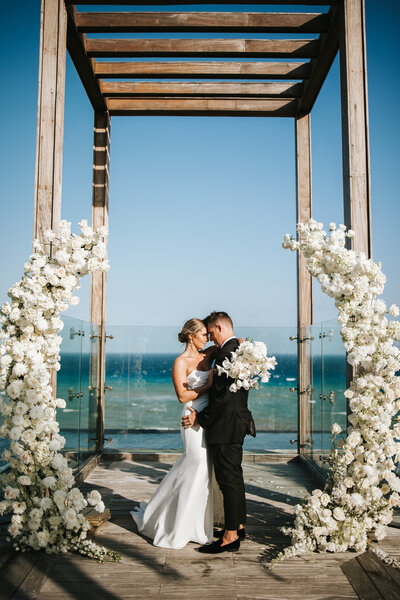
(272, 490)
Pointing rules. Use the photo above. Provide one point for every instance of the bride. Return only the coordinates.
(181, 509)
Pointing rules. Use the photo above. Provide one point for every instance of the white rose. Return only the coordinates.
(69, 518)
(339, 514)
(325, 499)
(394, 310)
(335, 429)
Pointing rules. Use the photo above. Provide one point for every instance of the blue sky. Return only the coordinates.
(198, 206)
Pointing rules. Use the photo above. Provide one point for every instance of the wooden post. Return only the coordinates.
(50, 120)
(304, 280)
(101, 157)
(355, 134)
(355, 131)
(50, 124)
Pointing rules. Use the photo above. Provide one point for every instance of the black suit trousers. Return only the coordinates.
(227, 459)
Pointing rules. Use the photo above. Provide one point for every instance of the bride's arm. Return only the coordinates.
(179, 380)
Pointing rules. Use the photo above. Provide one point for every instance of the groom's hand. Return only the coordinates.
(189, 420)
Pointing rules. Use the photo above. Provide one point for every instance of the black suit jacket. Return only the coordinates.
(227, 416)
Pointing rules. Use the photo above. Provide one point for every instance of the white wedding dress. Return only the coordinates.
(181, 509)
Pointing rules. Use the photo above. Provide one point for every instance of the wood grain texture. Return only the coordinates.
(205, 47)
(304, 279)
(98, 290)
(76, 45)
(206, 70)
(355, 128)
(111, 22)
(202, 106)
(329, 45)
(50, 119)
(272, 490)
(126, 89)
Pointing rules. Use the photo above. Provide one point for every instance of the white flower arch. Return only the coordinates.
(362, 487)
(46, 510)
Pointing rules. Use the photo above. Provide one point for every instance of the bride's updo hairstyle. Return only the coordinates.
(190, 328)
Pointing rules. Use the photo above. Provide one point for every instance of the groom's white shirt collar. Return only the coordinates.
(226, 341)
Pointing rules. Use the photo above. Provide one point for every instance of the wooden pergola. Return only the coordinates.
(286, 85)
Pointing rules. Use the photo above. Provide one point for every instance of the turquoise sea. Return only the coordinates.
(142, 412)
(142, 399)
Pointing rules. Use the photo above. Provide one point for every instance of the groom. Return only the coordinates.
(225, 421)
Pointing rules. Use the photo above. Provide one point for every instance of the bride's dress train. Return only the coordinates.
(181, 509)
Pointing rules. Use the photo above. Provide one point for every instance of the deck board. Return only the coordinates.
(161, 574)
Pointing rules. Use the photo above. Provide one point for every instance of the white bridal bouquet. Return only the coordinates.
(248, 364)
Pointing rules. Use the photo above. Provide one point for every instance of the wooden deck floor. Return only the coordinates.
(156, 573)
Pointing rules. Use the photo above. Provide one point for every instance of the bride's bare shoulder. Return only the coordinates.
(180, 363)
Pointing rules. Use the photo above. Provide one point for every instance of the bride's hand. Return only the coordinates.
(210, 377)
(240, 340)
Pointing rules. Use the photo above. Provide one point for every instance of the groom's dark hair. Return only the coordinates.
(216, 316)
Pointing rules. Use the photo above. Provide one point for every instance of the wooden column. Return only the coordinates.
(355, 131)
(50, 120)
(101, 158)
(304, 280)
(355, 134)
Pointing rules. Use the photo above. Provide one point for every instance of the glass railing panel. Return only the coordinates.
(88, 390)
(333, 401)
(314, 441)
(4, 443)
(143, 413)
(69, 388)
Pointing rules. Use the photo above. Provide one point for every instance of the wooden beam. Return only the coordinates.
(50, 118)
(202, 106)
(213, 48)
(151, 89)
(355, 127)
(112, 22)
(329, 46)
(202, 70)
(304, 281)
(76, 45)
(101, 160)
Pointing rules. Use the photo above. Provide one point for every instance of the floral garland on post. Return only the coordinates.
(46, 508)
(362, 487)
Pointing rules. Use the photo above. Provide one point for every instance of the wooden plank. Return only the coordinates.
(76, 45)
(50, 119)
(304, 279)
(17, 571)
(201, 107)
(213, 48)
(125, 88)
(36, 578)
(206, 70)
(362, 584)
(97, 22)
(98, 289)
(385, 578)
(355, 129)
(329, 44)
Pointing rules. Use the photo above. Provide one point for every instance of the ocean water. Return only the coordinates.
(143, 396)
(142, 412)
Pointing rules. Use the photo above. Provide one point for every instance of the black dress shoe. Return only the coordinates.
(241, 534)
(217, 548)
